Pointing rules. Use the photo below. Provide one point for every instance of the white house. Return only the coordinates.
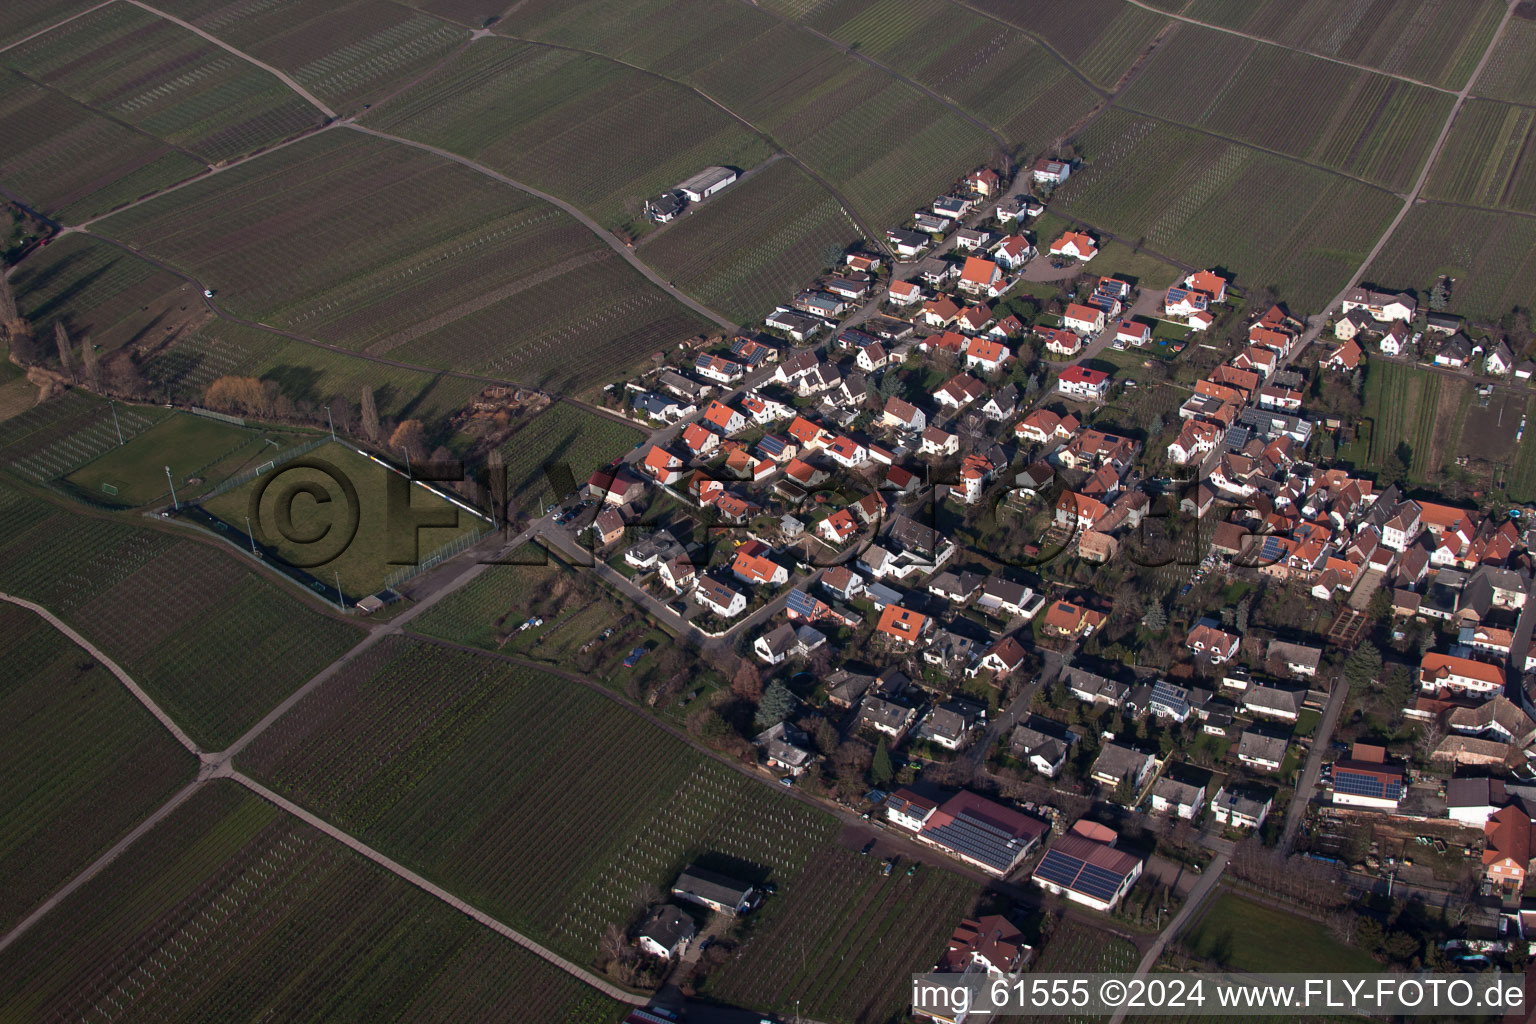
(1129, 332)
(1083, 319)
(719, 598)
(1382, 307)
(1081, 382)
(1181, 799)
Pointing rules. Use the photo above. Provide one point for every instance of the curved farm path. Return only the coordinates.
(597, 229)
(111, 666)
(874, 237)
(221, 44)
(1310, 53)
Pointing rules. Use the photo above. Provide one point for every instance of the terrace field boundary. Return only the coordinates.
(281, 76)
(1310, 53)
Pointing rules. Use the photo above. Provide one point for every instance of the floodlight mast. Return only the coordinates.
(176, 504)
(341, 602)
(250, 536)
(115, 423)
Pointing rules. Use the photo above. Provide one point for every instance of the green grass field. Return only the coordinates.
(1404, 405)
(232, 910)
(195, 447)
(1439, 41)
(463, 272)
(1248, 936)
(365, 563)
(72, 163)
(753, 246)
(565, 123)
(83, 762)
(167, 607)
(346, 52)
(145, 71)
(1492, 255)
(562, 435)
(51, 440)
(1267, 220)
(1378, 128)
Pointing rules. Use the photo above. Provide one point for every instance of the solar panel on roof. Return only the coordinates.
(1059, 868)
(801, 602)
(1098, 882)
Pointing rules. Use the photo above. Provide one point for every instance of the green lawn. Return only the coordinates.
(195, 448)
(382, 543)
(1248, 936)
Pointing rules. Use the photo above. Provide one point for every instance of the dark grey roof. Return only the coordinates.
(668, 926)
(711, 886)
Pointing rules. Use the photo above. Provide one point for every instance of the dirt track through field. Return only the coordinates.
(1296, 49)
(111, 666)
(221, 44)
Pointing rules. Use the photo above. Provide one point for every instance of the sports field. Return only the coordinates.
(565, 122)
(1378, 128)
(71, 163)
(1492, 255)
(54, 439)
(791, 222)
(398, 252)
(1268, 220)
(167, 607)
(383, 534)
(145, 71)
(201, 452)
(82, 761)
(1438, 41)
(232, 910)
(1489, 158)
(347, 52)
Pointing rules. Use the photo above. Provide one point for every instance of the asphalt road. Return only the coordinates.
(1306, 786)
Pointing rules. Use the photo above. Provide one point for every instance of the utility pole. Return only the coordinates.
(172, 483)
(250, 536)
(116, 424)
